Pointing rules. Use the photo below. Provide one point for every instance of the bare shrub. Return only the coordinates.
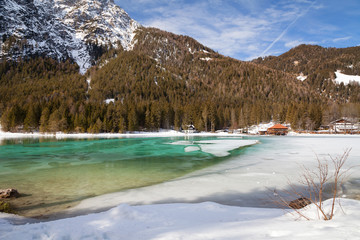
(311, 188)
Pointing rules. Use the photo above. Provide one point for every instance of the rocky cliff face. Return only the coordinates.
(63, 29)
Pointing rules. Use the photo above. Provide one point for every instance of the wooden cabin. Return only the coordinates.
(344, 125)
(277, 129)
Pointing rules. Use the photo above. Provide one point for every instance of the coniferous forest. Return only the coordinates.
(170, 81)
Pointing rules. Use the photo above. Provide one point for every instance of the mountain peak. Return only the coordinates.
(63, 29)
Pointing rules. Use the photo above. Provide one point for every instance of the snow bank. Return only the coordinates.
(191, 221)
(60, 135)
(10, 135)
(346, 79)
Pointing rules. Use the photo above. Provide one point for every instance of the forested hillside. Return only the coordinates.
(166, 81)
(319, 65)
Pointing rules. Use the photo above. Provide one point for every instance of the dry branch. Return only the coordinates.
(312, 187)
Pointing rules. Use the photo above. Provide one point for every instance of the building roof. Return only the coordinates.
(341, 120)
(278, 126)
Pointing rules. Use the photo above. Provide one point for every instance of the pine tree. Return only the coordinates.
(31, 121)
(122, 125)
(7, 120)
(44, 120)
(205, 114)
(212, 118)
(133, 120)
(55, 123)
(178, 119)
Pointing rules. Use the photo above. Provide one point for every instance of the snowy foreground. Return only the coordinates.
(192, 221)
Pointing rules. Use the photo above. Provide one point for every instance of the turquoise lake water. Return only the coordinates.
(53, 175)
(56, 174)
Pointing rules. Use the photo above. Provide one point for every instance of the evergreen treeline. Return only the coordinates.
(159, 90)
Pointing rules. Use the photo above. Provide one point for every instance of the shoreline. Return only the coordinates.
(161, 133)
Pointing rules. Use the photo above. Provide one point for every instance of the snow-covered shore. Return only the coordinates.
(192, 222)
(60, 135)
(162, 133)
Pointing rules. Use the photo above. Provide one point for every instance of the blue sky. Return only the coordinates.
(246, 29)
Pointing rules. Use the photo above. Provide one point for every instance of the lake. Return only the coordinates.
(54, 175)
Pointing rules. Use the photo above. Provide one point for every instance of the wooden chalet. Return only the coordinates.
(277, 129)
(344, 125)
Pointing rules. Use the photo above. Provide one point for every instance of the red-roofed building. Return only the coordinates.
(277, 129)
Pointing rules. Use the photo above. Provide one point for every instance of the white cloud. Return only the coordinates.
(341, 39)
(239, 28)
(226, 34)
(293, 43)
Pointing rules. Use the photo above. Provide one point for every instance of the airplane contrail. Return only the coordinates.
(286, 29)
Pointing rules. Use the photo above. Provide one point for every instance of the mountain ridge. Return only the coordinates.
(63, 29)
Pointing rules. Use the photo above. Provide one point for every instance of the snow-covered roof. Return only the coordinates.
(341, 120)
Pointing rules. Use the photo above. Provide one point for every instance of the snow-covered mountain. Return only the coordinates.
(63, 29)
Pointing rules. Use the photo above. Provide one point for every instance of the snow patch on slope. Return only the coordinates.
(206, 59)
(301, 77)
(346, 79)
(109, 100)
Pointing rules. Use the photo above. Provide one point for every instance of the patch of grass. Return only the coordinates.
(5, 207)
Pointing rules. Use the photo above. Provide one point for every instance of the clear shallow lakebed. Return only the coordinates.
(57, 174)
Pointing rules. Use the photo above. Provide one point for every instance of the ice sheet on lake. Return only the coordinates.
(222, 148)
(218, 148)
(192, 149)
